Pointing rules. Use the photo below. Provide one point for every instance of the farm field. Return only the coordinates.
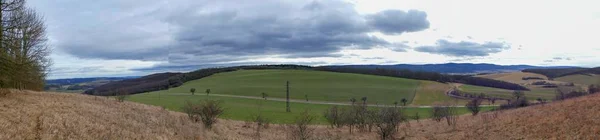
(581, 79)
(243, 109)
(544, 93)
(314, 85)
(431, 93)
(513, 77)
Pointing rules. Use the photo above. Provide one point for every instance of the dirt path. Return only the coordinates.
(308, 102)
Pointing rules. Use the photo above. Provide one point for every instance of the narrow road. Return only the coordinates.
(306, 102)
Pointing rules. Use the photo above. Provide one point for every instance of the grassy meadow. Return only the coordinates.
(243, 109)
(544, 93)
(314, 85)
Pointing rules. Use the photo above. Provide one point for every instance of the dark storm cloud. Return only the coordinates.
(463, 48)
(110, 29)
(206, 32)
(393, 22)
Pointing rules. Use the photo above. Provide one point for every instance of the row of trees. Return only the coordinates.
(430, 76)
(24, 60)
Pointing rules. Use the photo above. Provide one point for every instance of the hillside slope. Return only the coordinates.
(34, 115)
(569, 119)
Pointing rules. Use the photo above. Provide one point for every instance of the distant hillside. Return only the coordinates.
(147, 83)
(162, 81)
(84, 80)
(458, 68)
(79, 84)
(559, 72)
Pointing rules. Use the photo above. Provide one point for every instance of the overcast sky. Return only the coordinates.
(137, 37)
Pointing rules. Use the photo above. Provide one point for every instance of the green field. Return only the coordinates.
(544, 93)
(316, 85)
(580, 79)
(431, 93)
(244, 109)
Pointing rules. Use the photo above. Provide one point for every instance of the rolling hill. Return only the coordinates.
(559, 72)
(582, 79)
(513, 77)
(170, 80)
(314, 85)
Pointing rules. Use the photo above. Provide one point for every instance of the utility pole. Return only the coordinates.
(287, 97)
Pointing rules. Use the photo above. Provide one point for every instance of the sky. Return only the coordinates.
(91, 38)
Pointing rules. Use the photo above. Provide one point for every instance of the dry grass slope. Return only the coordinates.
(34, 115)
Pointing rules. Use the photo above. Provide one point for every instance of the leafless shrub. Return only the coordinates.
(209, 111)
(122, 95)
(387, 121)
(206, 111)
(260, 123)
(417, 117)
(474, 106)
(348, 118)
(192, 110)
(333, 115)
(438, 113)
(446, 112)
(300, 129)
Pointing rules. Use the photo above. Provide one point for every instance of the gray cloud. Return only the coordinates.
(463, 48)
(394, 22)
(206, 32)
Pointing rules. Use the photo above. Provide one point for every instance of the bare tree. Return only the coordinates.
(300, 130)
(474, 106)
(364, 99)
(24, 60)
(387, 121)
(353, 100)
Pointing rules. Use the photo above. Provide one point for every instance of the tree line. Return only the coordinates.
(155, 83)
(164, 81)
(430, 76)
(24, 60)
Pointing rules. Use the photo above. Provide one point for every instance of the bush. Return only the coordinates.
(517, 103)
(474, 106)
(300, 129)
(438, 113)
(192, 110)
(122, 95)
(261, 123)
(333, 116)
(444, 112)
(387, 121)
(206, 111)
(209, 111)
(348, 117)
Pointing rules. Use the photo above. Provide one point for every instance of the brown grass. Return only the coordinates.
(513, 77)
(35, 115)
